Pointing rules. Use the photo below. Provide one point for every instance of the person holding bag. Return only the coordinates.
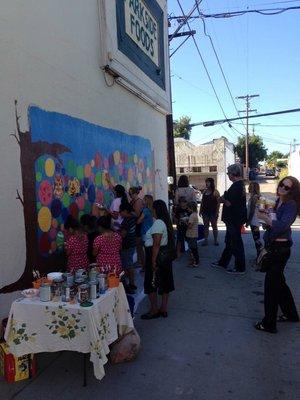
(160, 252)
(278, 242)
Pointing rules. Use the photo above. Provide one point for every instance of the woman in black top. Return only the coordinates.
(209, 210)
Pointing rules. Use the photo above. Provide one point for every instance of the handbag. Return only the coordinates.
(263, 260)
(166, 255)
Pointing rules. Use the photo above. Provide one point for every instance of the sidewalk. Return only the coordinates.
(206, 349)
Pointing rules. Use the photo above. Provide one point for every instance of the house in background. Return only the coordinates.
(205, 160)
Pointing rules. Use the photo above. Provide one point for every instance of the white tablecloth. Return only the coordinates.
(35, 326)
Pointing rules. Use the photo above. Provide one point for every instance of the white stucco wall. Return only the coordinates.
(50, 57)
(294, 164)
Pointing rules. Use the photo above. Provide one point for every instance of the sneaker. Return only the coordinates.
(235, 271)
(216, 264)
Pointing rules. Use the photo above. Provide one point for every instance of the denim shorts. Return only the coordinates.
(127, 257)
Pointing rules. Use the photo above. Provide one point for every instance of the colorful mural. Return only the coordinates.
(67, 165)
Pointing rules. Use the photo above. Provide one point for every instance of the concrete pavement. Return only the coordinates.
(206, 349)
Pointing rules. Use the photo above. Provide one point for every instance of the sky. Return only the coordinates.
(258, 54)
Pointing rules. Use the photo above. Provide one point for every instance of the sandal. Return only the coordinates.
(260, 327)
(284, 318)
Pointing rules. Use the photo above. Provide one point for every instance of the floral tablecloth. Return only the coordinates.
(35, 326)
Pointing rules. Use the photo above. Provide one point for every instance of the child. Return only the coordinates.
(128, 232)
(252, 218)
(107, 247)
(192, 232)
(180, 217)
(76, 245)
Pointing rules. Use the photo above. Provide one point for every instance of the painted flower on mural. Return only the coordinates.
(65, 323)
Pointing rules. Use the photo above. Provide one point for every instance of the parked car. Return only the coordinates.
(197, 193)
(270, 172)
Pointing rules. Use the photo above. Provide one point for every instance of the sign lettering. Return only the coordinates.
(141, 27)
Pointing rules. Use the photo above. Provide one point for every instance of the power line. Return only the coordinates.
(219, 63)
(202, 60)
(273, 126)
(231, 14)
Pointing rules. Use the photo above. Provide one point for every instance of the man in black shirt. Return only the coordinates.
(234, 215)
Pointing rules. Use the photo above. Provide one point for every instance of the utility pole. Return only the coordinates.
(247, 111)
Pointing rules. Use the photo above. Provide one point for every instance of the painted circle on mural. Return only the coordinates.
(54, 223)
(117, 157)
(80, 172)
(45, 193)
(91, 193)
(106, 163)
(57, 168)
(52, 233)
(130, 175)
(97, 159)
(105, 180)
(74, 210)
(99, 196)
(71, 168)
(66, 200)
(38, 176)
(135, 158)
(40, 164)
(98, 178)
(64, 214)
(87, 170)
(38, 205)
(86, 182)
(92, 163)
(80, 201)
(53, 247)
(44, 219)
(56, 207)
(87, 207)
(49, 167)
(44, 244)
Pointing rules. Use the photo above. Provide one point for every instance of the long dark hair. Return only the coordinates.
(294, 193)
(212, 184)
(161, 211)
(183, 181)
(120, 192)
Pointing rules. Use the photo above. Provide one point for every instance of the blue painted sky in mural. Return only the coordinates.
(55, 127)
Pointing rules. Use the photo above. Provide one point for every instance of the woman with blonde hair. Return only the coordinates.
(278, 242)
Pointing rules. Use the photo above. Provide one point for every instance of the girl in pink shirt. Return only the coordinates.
(107, 247)
(76, 246)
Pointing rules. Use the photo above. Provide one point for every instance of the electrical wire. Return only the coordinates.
(273, 126)
(232, 14)
(219, 63)
(203, 62)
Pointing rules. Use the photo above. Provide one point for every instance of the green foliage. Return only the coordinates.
(283, 173)
(257, 150)
(273, 157)
(181, 127)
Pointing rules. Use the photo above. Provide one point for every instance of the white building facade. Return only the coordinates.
(203, 161)
(294, 163)
(84, 89)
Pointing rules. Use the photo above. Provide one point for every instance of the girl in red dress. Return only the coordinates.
(107, 247)
(76, 246)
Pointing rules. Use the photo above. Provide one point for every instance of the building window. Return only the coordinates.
(213, 168)
(181, 170)
(196, 169)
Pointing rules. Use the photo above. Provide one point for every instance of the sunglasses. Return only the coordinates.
(282, 185)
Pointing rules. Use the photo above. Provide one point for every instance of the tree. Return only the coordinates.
(257, 150)
(182, 127)
(29, 153)
(273, 157)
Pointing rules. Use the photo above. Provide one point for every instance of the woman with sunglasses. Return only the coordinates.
(278, 241)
